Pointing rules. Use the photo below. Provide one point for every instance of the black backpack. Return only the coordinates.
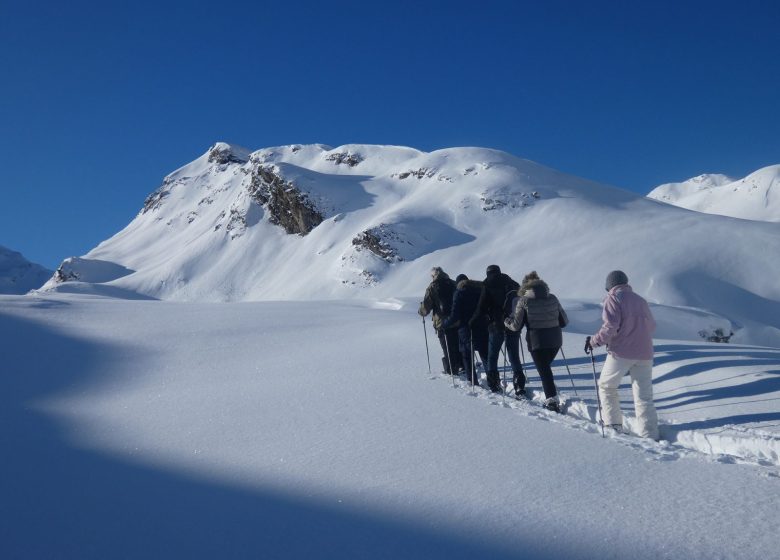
(508, 299)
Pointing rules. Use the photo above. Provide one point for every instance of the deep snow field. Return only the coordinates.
(151, 429)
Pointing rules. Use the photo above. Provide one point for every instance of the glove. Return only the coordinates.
(472, 323)
(588, 347)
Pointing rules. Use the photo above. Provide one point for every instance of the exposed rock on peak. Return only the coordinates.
(347, 158)
(287, 205)
(222, 153)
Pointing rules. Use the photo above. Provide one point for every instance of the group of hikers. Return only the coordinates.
(481, 317)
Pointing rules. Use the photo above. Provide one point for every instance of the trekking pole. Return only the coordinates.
(427, 353)
(569, 371)
(473, 362)
(503, 383)
(596, 384)
(522, 357)
(449, 356)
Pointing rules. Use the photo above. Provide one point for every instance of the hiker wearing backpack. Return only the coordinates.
(464, 304)
(497, 289)
(438, 300)
(541, 314)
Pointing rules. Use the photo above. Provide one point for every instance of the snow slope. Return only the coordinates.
(18, 275)
(314, 222)
(756, 197)
(147, 429)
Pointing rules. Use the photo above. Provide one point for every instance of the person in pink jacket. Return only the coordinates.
(627, 333)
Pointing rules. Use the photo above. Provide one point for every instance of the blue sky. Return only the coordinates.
(100, 100)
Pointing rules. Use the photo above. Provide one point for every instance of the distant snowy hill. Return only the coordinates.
(18, 275)
(314, 222)
(756, 197)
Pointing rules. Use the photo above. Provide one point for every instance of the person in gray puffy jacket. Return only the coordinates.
(542, 315)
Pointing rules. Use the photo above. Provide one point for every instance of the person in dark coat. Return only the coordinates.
(438, 300)
(541, 314)
(464, 304)
(497, 287)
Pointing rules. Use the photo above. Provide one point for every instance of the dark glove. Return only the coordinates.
(472, 323)
(588, 347)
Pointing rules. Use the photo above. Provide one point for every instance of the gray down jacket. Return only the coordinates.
(542, 315)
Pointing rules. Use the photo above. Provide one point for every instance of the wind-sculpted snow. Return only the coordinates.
(356, 221)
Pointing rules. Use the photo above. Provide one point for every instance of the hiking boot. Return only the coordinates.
(518, 380)
(616, 428)
(552, 404)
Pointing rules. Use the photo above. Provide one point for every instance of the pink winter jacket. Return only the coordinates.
(628, 325)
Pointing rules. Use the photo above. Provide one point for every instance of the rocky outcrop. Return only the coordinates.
(345, 158)
(503, 199)
(223, 154)
(155, 200)
(376, 241)
(421, 173)
(287, 205)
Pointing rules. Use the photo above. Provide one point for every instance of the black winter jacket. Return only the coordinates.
(495, 291)
(464, 304)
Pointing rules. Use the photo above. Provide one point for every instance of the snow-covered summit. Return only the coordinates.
(18, 275)
(755, 197)
(316, 222)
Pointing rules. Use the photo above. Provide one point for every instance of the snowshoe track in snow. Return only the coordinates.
(578, 413)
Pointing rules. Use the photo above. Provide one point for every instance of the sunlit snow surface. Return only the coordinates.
(755, 197)
(313, 429)
(204, 236)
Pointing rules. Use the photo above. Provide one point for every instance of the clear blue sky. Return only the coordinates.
(100, 100)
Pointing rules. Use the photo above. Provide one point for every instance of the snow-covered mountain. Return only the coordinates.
(18, 275)
(756, 197)
(314, 222)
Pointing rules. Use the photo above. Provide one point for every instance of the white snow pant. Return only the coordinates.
(641, 372)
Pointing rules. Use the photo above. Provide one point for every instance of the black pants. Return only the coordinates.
(449, 341)
(467, 357)
(543, 357)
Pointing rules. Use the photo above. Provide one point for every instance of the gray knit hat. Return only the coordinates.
(616, 278)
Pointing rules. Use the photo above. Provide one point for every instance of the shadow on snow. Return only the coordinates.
(59, 501)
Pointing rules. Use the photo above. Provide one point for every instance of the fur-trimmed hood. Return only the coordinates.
(536, 288)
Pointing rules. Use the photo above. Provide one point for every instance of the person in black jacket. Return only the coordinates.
(542, 315)
(497, 287)
(438, 299)
(464, 303)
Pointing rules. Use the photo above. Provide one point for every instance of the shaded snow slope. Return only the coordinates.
(756, 197)
(313, 222)
(168, 429)
(18, 275)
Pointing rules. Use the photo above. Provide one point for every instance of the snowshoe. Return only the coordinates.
(553, 405)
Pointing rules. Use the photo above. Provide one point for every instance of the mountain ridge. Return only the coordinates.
(18, 275)
(311, 222)
(753, 197)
